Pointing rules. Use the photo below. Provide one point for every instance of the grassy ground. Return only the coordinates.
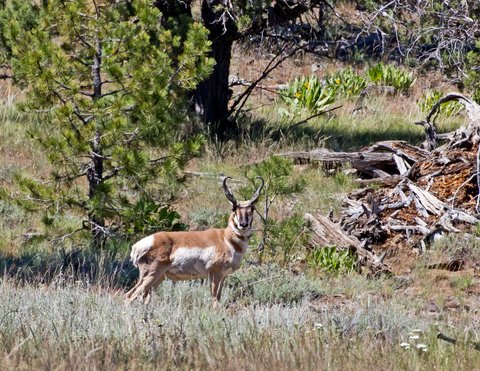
(62, 307)
(272, 319)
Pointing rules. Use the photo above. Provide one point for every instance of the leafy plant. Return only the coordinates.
(472, 79)
(279, 181)
(330, 259)
(287, 236)
(390, 75)
(431, 97)
(346, 83)
(308, 93)
(148, 216)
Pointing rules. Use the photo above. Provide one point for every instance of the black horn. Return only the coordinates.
(229, 194)
(257, 192)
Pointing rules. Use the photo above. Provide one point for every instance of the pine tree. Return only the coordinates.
(108, 85)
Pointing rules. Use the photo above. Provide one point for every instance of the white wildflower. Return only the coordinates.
(422, 347)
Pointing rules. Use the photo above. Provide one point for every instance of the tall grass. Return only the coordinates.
(74, 326)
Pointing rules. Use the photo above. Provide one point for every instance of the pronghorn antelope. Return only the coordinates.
(213, 253)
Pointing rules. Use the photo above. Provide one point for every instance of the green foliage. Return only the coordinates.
(342, 179)
(390, 75)
(346, 83)
(328, 258)
(462, 282)
(431, 97)
(148, 216)
(109, 86)
(472, 80)
(277, 173)
(286, 237)
(280, 181)
(15, 17)
(308, 93)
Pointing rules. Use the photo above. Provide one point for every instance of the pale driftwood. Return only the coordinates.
(472, 108)
(329, 233)
(407, 228)
(397, 205)
(402, 165)
(428, 200)
(402, 149)
(382, 160)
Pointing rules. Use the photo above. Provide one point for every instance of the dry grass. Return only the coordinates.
(330, 323)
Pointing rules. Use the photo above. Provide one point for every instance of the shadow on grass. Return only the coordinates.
(109, 269)
(331, 135)
(339, 140)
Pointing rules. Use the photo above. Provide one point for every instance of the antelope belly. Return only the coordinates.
(191, 262)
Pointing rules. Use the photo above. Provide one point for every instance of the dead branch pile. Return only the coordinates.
(412, 196)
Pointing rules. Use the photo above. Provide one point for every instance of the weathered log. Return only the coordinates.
(372, 164)
(329, 233)
(390, 181)
(428, 201)
(382, 160)
(410, 228)
(373, 159)
(402, 149)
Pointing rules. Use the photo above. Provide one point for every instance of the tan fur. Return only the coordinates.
(228, 247)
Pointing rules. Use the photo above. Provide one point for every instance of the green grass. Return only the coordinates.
(346, 129)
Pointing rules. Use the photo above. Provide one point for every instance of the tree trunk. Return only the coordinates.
(210, 98)
(95, 177)
(212, 95)
(95, 172)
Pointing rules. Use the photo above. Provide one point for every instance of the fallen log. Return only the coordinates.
(328, 233)
(369, 164)
(414, 196)
(383, 160)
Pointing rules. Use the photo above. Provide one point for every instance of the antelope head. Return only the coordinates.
(242, 212)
